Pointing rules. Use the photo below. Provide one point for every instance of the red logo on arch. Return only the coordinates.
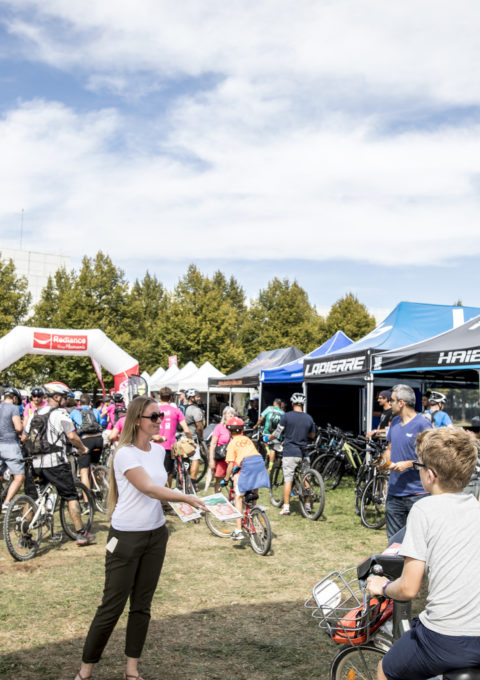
(42, 340)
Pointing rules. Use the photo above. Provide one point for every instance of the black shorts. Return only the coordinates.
(169, 463)
(94, 443)
(62, 479)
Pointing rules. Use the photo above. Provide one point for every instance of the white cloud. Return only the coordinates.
(287, 154)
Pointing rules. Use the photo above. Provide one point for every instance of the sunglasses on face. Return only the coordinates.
(155, 417)
(417, 465)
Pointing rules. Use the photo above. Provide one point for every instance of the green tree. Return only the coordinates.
(282, 316)
(350, 316)
(14, 297)
(204, 320)
(14, 303)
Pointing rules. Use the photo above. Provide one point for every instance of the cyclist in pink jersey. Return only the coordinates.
(172, 416)
(38, 401)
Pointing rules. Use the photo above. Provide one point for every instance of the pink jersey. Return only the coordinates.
(120, 423)
(168, 427)
(221, 433)
(110, 416)
(30, 408)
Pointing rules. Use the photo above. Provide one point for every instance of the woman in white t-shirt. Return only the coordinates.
(137, 538)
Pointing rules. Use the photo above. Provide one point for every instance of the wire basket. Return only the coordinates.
(343, 609)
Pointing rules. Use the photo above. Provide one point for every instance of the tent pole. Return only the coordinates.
(304, 390)
(230, 396)
(208, 404)
(369, 414)
(260, 385)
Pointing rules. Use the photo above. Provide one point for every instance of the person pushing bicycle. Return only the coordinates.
(442, 537)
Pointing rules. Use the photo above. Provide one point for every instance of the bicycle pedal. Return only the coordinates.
(56, 538)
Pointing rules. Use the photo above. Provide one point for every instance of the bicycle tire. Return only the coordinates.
(183, 481)
(363, 476)
(276, 484)
(222, 529)
(261, 535)
(356, 663)
(203, 463)
(333, 473)
(87, 512)
(372, 506)
(313, 488)
(320, 462)
(21, 540)
(101, 474)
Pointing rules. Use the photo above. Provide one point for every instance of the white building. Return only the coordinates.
(35, 267)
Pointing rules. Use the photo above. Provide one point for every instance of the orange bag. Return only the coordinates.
(352, 628)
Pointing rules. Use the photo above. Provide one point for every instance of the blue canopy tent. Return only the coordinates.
(409, 322)
(281, 381)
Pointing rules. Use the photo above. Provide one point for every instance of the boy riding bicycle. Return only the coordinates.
(443, 537)
(246, 465)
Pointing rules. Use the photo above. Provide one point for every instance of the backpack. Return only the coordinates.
(37, 441)
(89, 422)
(274, 420)
(120, 411)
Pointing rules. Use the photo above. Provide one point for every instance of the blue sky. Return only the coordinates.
(335, 143)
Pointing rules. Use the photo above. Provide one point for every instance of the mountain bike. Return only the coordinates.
(181, 474)
(98, 476)
(28, 521)
(307, 485)
(365, 626)
(255, 523)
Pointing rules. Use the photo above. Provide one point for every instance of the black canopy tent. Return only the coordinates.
(451, 358)
(249, 375)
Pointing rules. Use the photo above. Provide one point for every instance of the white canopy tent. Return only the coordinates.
(181, 379)
(199, 380)
(163, 379)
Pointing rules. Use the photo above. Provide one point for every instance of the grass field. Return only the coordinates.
(220, 611)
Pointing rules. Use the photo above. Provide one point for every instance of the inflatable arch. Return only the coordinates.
(68, 342)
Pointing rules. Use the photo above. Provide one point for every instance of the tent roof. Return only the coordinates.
(456, 348)
(156, 375)
(199, 380)
(293, 371)
(183, 374)
(409, 322)
(164, 378)
(249, 374)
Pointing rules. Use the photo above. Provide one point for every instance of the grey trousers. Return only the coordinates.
(132, 571)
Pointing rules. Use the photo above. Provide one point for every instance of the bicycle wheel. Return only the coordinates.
(356, 663)
(312, 496)
(222, 529)
(21, 536)
(320, 462)
(276, 484)
(101, 475)
(183, 481)
(363, 477)
(259, 531)
(333, 473)
(203, 462)
(372, 506)
(87, 506)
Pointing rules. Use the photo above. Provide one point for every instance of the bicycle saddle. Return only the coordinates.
(463, 674)
(251, 496)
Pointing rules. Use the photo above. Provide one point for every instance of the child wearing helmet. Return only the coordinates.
(435, 414)
(246, 465)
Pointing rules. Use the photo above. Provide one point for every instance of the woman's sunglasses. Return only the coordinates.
(155, 417)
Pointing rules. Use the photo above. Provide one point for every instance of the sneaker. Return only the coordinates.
(84, 538)
(285, 510)
(5, 507)
(237, 535)
(308, 507)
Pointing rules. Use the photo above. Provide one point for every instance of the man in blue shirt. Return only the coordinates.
(404, 486)
(297, 427)
(87, 421)
(435, 413)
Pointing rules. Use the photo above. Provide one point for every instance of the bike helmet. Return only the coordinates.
(13, 392)
(53, 388)
(297, 398)
(118, 397)
(437, 398)
(235, 424)
(38, 392)
(77, 395)
(191, 393)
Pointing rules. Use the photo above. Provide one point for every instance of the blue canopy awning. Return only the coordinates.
(293, 371)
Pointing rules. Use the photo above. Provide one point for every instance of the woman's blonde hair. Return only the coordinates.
(228, 412)
(135, 410)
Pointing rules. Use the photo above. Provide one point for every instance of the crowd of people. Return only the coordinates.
(430, 463)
